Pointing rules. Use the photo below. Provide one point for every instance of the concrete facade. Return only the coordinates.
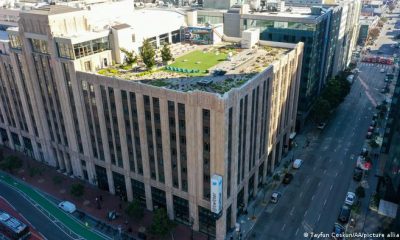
(140, 141)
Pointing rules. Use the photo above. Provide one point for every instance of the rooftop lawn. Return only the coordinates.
(199, 60)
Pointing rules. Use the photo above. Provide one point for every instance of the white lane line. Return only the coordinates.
(319, 184)
(319, 217)
(301, 194)
(312, 198)
(297, 231)
(305, 213)
(308, 181)
(283, 228)
(331, 188)
(291, 211)
(325, 171)
(336, 174)
(325, 202)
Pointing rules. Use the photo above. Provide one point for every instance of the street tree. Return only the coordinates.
(147, 54)
(161, 224)
(360, 192)
(130, 56)
(11, 163)
(321, 110)
(134, 210)
(77, 190)
(166, 54)
(374, 33)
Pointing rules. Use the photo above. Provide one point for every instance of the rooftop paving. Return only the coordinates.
(215, 69)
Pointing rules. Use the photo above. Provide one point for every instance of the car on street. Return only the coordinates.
(275, 197)
(287, 178)
(369, 135)
(370, 129)
(321, 125)
(338, 229)
(297, 163)
(350, 198)
(344, 214)
(67, 206)
(357, 174)
(364, 152)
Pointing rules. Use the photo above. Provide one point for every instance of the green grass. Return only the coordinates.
(68, 221)
(207, 60)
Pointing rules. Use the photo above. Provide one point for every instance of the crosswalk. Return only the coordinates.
(377, 65)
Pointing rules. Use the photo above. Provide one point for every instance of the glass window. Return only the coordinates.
(65, 51)
(15, 41)
(39, 46)
(91, 47)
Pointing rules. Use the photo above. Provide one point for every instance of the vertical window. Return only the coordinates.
(206, 154)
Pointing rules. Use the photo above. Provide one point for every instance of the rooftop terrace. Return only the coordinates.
(216, 69)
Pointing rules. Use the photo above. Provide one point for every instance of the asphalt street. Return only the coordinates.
(33, 215)
(312, 201)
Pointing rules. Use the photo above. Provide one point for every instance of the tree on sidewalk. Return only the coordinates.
(374, 33)
(77, 190)
(147, 53)
(360, 192)
(134, 210)
(10, 163)
(321, 110)
(161, 223)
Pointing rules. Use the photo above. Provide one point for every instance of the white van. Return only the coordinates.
(67, 206)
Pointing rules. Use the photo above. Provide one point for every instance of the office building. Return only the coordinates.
(162, 137)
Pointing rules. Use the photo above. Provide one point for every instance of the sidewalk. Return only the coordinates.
(259, 204)
(42, 177)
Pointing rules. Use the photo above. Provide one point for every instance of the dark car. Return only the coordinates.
(287, 178)
(357, 175)
(344, 214)
(337, 231)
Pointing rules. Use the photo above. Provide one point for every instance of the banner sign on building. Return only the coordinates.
(216, 194)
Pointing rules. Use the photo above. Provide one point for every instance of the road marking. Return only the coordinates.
(291, 211)
(301, 194)
(308, 181)
(297, 230)
(283, 228)
(337, 172)
(331, 187)
(325, 202)
(319, 217)
(325, 171)
(312, 198)
(305, 213)
(319, 184)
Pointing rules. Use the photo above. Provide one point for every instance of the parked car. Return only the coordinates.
(338, 229)
(357, 175)
(321, 125)
(364, 152)
(67, 206)
(350, 198)
(344, 214)
(287, 178)
(297, 163)
(370, 129)
(369, 135)
(275, 197)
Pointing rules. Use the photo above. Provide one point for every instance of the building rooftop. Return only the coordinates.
(53, 10)
(216, 69)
